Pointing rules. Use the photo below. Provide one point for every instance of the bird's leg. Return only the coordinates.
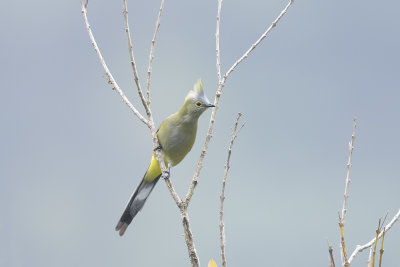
(166, 173)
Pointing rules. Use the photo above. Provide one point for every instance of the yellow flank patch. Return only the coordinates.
(153, 171)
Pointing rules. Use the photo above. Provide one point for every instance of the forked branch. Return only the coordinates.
(110, 77)
(132, 58)
(221, 84)
(387, 227)
(182, 204)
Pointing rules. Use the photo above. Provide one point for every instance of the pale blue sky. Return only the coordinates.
(71, 152)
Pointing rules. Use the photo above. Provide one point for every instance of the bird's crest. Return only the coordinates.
(197, 91)
(198, 87)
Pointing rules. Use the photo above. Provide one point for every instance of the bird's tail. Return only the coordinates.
(135, 204)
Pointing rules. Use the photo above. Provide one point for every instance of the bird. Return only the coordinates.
(176, 136)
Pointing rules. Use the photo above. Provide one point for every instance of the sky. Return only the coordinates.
(71, 152)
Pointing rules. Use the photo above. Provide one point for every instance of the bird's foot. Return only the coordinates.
(166, 173)
(158, 148)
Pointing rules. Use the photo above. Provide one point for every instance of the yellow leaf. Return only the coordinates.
(212, 263)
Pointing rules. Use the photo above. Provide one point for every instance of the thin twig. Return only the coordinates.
(194, 259)
(111, 79)
(217, 40)
(222, 197)
(218, 93)
(378, 231)
(345, 261)
(360, 248)
(349, 164)
(382, 250)
(150, 122)
(332, 260)
(346, 196)
(369, 261)
(146, 103)
(171, 189)
(151, 56)
(245, 55)
(132, 58)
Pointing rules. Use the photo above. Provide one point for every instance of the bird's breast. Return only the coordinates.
(178, 142)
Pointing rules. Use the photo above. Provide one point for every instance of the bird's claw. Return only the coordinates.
(158, 148)
(166, 174)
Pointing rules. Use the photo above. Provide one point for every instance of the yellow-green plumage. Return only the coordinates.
(153, 171)
(176, 136)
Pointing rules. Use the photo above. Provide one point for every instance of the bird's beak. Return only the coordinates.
(210, 105)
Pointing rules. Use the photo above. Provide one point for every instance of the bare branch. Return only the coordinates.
(332, 260)
(183, 208)
(221, 84)
(165, 172)
(132, 58)
(346, 195)
(360, 248)
(222, 197)
(382, 250)
(345, 261)
(174, 195)
(253, 46)
(378, 231)
(196, 175)
(146, 103)
(349, 164)
(111, 79)
(194, 259)
(369, 261)
(217, 40)
(151, 56)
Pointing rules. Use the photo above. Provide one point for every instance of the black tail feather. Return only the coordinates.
(135, 204)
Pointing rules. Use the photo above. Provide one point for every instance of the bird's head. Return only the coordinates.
(196, 101)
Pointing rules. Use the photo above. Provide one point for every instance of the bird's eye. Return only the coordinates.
(198, 104)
